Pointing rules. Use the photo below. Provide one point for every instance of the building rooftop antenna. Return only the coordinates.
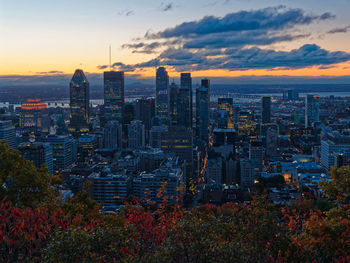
(110, 55)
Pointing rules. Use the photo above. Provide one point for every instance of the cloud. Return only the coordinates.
(271, 18)
(118, 66)
(126, 12)
(339, 30)
(235, 41)
(164, 7)
(142, 47)
(50, 72)
(244, 59)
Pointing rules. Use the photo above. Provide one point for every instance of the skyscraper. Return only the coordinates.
(173, 104)
(79, 102)
(162, 99)
(185, 101)
(113, 95)
(202, 110)
(266, 109)
(256, 155)
(227, 105)
(312, 110)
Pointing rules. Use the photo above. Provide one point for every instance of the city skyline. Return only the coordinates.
(311, 39)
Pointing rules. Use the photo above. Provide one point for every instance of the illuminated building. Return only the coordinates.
(113, 135)
(86, 147)
(312, 110)
(39, 153)
(136, 135)
(8, 133)
(246, 124)
(185, 101)
(226, 104)
(113, 96)
(202, 110)
(162, 102)
(34, 116)
(266, 110)
(79, 102)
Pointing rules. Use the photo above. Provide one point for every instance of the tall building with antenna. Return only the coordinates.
(79, 102)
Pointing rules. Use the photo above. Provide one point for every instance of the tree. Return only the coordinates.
(21, 182)
(339, 186)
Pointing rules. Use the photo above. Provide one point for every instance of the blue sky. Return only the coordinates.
(39, 37)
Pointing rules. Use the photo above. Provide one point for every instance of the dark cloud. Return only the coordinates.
(272, 18)
(245, 59)
(164, 7)
(339, 30)
(118, 66)
(234, 42)
(240, 39)
(142, 47)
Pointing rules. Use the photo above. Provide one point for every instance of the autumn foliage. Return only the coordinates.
(74, 231)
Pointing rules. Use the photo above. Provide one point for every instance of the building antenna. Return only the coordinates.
(110, 63)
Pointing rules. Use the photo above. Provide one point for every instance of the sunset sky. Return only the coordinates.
(213, 38)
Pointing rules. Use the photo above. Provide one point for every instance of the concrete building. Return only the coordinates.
(332, 145)
(8, 133)
(39, 153)
(112, 134)
(136, 135)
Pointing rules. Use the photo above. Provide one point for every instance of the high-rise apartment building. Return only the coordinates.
(79, 102)
(312, 110)
(265, 109)
(113, 96)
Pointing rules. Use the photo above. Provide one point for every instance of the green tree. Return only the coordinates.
(339, 187)
(21, 182)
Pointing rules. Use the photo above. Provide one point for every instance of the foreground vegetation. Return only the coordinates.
(35, 226)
